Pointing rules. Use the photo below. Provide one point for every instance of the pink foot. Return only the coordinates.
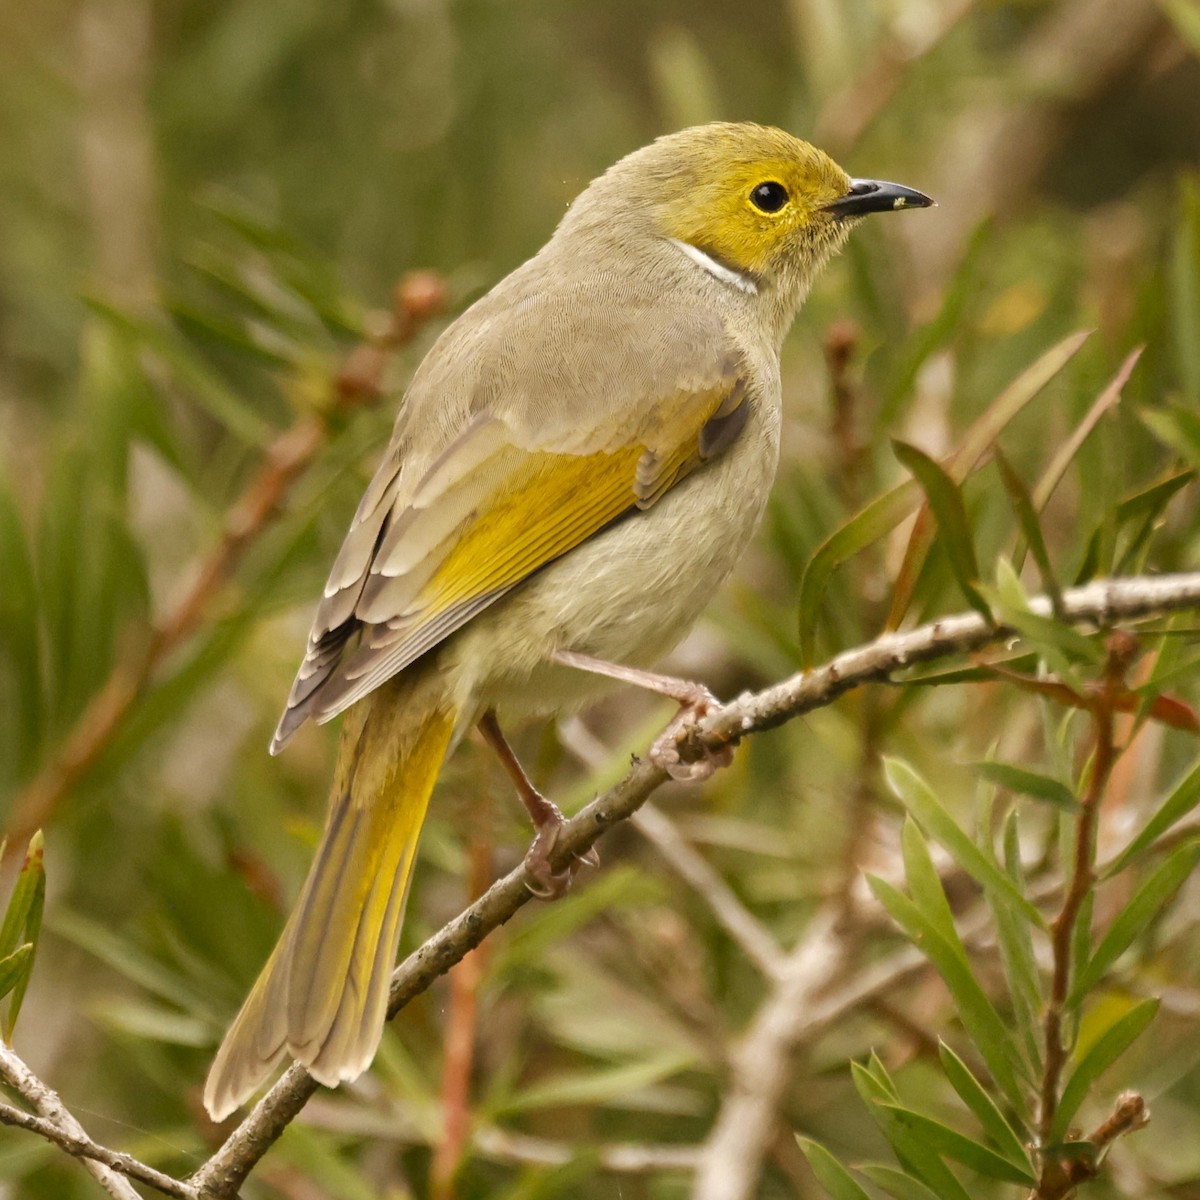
(671, 748)
(544, 882)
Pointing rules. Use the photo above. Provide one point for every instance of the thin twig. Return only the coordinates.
(458, 1053)
(55, 1123)
(1121, 649)
(1062, 1177)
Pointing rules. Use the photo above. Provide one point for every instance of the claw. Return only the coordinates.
(666, 751)
(542, 881)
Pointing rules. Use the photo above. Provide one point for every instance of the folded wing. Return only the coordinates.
(515, 488)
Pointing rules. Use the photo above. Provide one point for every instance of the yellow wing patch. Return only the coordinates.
(560, 501)
(524, 509)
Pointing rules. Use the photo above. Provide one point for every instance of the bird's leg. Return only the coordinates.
(695, 702)
(545, 815)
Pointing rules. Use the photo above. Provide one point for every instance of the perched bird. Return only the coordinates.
(576, 466)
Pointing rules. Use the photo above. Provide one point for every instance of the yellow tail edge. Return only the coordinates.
(322, 996)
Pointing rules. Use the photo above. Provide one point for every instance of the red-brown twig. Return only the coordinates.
(458, 1057)
(417, 298)
(1061, 1177)
(1122, 649)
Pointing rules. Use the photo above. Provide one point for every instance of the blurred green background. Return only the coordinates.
(204, 206)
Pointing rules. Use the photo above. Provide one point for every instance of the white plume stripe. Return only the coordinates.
(718, 270)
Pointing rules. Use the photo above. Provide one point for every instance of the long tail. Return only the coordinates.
(322, 997)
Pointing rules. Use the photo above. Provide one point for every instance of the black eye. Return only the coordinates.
(769, 197)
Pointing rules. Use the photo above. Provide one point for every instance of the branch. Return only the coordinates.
(1101, 604)
(798, 1004)
(57, 1125)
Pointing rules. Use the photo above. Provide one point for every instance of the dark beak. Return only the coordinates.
(874, 195)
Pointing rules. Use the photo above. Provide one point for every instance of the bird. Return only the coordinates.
(576, 466)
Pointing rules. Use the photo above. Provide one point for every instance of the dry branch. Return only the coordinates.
(795, 1006)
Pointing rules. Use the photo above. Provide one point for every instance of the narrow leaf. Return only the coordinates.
(918, 797)
(946, 502)
(13, 968)
(1031, 527)
(1012, 400)
(830, 1173)
(1029, 783)
(879, 1073)
(24, 897)
(924, 884)
(1016, 950)
(1104, 1052)
(974, 445)
(975, 1097)
(896, 1183)
(1184, 797)
(1135, 915)
(35, 867)
(1107, 399)
(917, 1158)
(953, 1144)
(1144, 506)
(978, 1015)
(877, 520)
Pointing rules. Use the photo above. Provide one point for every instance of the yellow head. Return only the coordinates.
(755, 200)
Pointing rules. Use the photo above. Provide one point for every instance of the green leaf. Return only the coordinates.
(106, 944)
(1031, 527)
(22, 905)
(153, 1022)
(1072, 1152)
(830, 1173)
(1061, 645)
(33, 932)
(595, 1086)
(14, 967)
(1184, 797)
(210, 392)
(918, 797)
(1016, 951)
(914, 1155)
(955, 1145)
(1103, 1053)
(978, 439)
(924, 884)
(879, 518)
(1135, 915)
(23, 924)
(885, 1085)
(1028, 783)
(948, 956)
(896, 1183)
(975, 1097)
(946, 502)
(1143, 506)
